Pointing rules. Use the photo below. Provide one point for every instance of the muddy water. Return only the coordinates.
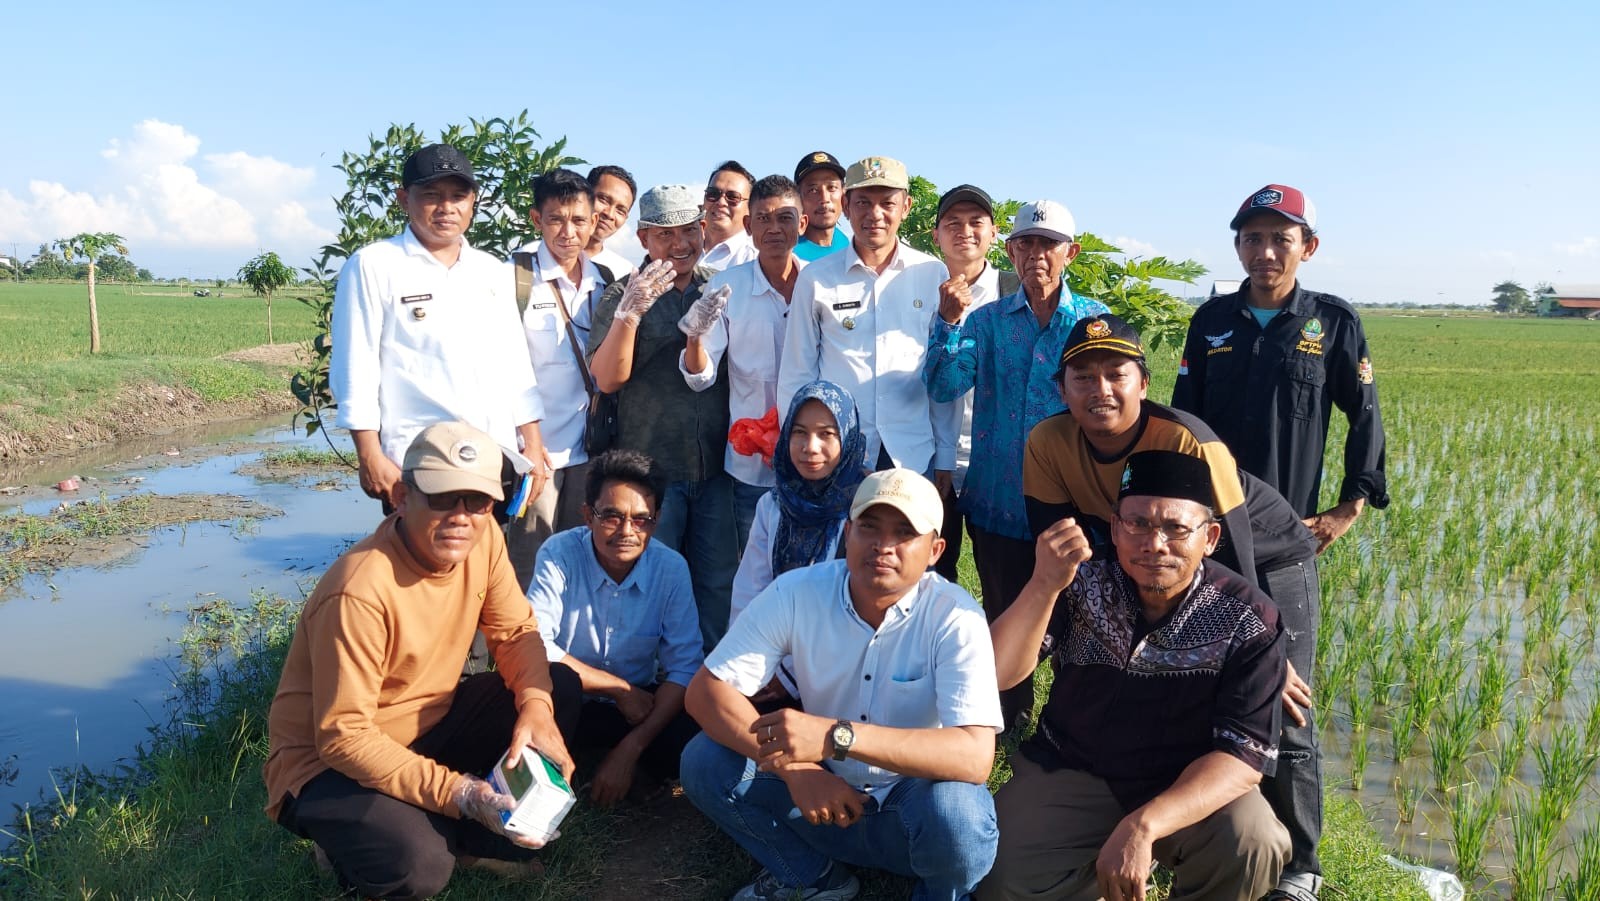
(87, 655)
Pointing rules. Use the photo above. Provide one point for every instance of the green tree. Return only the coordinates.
(506, 159)
(91, 246)
(1101, 271)
(265, 275)
(1511, 297)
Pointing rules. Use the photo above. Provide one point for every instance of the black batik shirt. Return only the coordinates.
(1134, 703)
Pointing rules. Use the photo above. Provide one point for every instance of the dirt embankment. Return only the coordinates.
(139, 410)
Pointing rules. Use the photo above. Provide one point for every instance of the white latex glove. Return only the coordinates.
(705, 311)
(477, 800)
(643, 289)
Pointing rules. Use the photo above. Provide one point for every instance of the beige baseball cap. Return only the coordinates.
(454, 456)
(905, 490)
(877, 171)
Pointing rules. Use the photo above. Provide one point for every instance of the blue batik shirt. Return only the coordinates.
(998, 350)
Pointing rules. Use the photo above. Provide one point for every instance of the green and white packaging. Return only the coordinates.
(542, 794)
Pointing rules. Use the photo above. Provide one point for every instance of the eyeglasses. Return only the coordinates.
(475, 502)
(1169, 531)
(734, 198)
(613, 520)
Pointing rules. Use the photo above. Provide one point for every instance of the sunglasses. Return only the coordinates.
(734, 198)
(475, 502)
(613, 520)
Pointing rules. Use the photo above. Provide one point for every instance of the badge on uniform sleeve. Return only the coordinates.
(419, 312)
(1364, 371)
(848, 323)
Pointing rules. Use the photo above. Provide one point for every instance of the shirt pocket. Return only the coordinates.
(1305, 378)
(543, 325)
(909, 703)
(630, 651)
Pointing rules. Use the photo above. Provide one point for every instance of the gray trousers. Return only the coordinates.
(1295, 792)
(557, 508)
(1053, 824)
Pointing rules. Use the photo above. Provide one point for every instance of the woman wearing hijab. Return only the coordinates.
(821, 458)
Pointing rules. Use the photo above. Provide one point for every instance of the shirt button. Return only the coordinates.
(863, 717)
(869, 677)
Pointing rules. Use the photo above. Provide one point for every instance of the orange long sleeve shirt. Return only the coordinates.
(376, 658)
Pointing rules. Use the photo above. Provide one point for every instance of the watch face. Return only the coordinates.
(843, 735)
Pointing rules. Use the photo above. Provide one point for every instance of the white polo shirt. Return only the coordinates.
(416, 342)
(560, 382)
(740, 248)
(985, 290)
(869, 333)
(751, 332)
(930, 663)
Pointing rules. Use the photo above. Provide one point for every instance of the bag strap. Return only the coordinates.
(572, 339)
(522, 260)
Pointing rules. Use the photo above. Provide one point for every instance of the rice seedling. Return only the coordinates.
(1450, 741)
(1583, 883)
(1472, 813)
(1532, 835)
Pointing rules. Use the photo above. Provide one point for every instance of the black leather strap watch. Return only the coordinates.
(843, 735)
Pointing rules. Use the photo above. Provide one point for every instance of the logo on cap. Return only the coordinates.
(1127, 476)
(1269, 197)
(819, 157)
(1038, 215)
(466, 453)
(1098, 329)
(875, 166)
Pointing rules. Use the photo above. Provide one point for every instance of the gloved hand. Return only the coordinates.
(643, 289)
(705, 311)
(477, 800)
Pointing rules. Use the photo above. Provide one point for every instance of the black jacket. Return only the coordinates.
(1269, 394)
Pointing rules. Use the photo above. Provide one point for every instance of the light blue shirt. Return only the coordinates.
(808, 251)
(624, 629)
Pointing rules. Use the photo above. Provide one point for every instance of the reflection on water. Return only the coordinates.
(87, 654)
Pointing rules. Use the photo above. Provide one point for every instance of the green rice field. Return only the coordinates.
(1457, 674)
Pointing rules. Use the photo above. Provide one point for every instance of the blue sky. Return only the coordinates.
(1447, 147)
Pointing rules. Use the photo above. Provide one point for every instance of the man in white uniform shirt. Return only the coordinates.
(727, 203)
(886, 765)
(614, 192)
(563, 212)
(751, 332)
(964, 229)
(425, 330)
(861, 319)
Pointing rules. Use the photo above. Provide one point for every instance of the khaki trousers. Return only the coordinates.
(1052, 825)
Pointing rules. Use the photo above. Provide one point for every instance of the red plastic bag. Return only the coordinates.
(755, 436)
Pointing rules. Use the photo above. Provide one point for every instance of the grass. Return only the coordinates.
(31, 543)
(48, 380)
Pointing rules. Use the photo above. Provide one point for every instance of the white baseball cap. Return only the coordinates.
(1044, 217)
(905, 490)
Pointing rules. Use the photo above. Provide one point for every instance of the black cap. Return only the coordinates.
(1163, 473)
(434, 162)
(811, 162)
(1104, 332)
(964, 194)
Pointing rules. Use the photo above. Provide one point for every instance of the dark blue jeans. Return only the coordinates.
(697, 521)
(1295, 793)
(941, 833)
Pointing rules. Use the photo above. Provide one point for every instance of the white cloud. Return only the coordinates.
(1134, 247)
(1588, 247)
(155, 196)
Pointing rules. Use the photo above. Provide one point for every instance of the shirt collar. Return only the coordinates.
(413, 247)
(760, 284)
(898, 261)
(598, 579)
(1298, 304)
(738, 241)
(897, 613)
(1019, 300)
(550, 270)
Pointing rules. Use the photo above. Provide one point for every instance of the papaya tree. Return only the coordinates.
(265, 275)
(90, 246)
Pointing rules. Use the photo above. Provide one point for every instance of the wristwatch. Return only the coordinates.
(844, 735)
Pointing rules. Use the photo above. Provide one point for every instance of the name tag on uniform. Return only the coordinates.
(416, 298)
(848, 305)
(543, 306)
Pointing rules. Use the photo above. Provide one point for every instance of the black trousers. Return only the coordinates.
(382, 847)
(601, 727)
(1004, 567)
(951, 533)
